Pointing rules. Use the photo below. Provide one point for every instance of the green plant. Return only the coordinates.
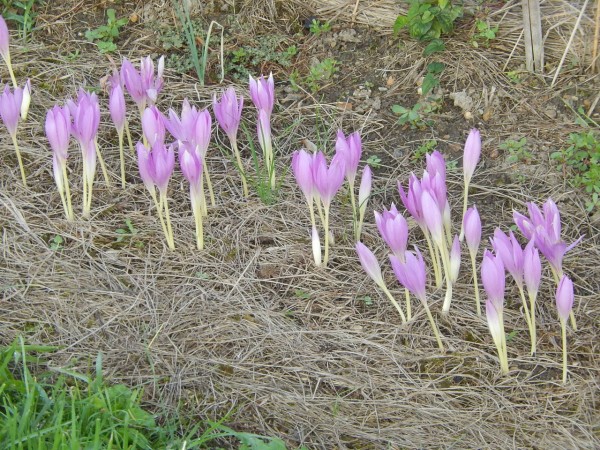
(270, 49)
(517, 150)
(21, 12)
(199, 62)
(485, 33)
(429, 19)
(415, 116)
(61, 409)
(514, 76)
(320, 73)
(129, 231)
(374, 161)
(423, 149)
(582, 159)
(367, 300)
(105, 35)
(56, 243)
(262, 181)
(431, 79)
(316, 27)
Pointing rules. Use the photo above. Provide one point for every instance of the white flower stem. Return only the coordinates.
(393, 300)
(197, 210)
(434, 327)
(527, 316)
(446, 264)
(532, 298)
(122, 156)
(408, 305)
(326, 227)
(70, 214)
(238, 158)
(21, 168)
(170, 237)
(475, 282)
(503, 355)
(102, 165)
(434, 260)
(563, 325)
(462, 224)
(208, 183)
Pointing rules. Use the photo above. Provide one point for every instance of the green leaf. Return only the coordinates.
(401, 22)
(436, 67)
(435, 46)
(429, 82)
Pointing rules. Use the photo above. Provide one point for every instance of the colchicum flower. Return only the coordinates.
(228, 112)
(117, 109)
(58, 132)
(532, 275)
(5, 49)
(472, 229)
(10, 112)
(364, 192)
(471, 156)
(370, 265)
(564, 306)
(493, 279)
(412, 274)
(262, 93)
(191, 167)
(143, 86)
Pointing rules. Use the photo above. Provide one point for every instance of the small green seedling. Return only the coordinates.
(301, 294)
(128, 231)
(374, 161)
(57, 243)
(316, 27)
(22, 12)
(105, 35)
(423, 149)
(367, 300)
(517, 150)
(428, 19)
(320, 73)
(485, 33)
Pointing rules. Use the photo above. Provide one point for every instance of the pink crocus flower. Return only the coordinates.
(564, 306)
(394, 230)
(262, 93)
(143, 86)
(153, 126)
(302, 170)
(328, 180)
(455, 260)
(26, 101)
(493, 277)
(58, 132)
(350, 148)
(116, 103)
(10, 108)
(472, 153)
(412, 199)
(472, 227)
(411, 273)
(511, 253)
(433, 217)
(5, 48)
(191, 167)
(228, 111)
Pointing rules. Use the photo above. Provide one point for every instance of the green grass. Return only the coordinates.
(43, 408)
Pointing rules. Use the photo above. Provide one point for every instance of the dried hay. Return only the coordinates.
(250, 327)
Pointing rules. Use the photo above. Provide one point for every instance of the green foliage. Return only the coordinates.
(435, 46)
(423, 149)
(320, 73)
(431, 79)
(62, 409)
(514, 76)
(485, 33)
(367, 300)
(316, 27)
(517, 150)
(374, 161)
(429, 19)
(269, 49)
(22, 12)
(57, 243)
(582, 159)
(262, 180)
(105, 35)
(416, 116)
(129, 232)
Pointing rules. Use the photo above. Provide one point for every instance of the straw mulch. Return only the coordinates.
(249, 327)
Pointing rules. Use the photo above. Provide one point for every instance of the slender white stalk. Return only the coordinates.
(208, 183)
(170, 237)
(434, 260)
(446, 265)
(236, 151)
(326, 227)
(122, 156)
(465, 200)
(408, 305)
(563, 325)
(129, 140)
(434, 327)
(475, 282)
(532, 298)
(16, 145)
(102, 165)
(70, 214)
(394, 302)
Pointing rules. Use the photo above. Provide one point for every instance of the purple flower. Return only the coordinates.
(433, 217)
(511, 253)
(455, 260)
(493, 278)
(394, 230)
(156, 165)
(262, 93)
(369, 263)
(202, 132)
(328, 180)
(472, 227)
(58, 131)
(116, 103)
(411, 273)
(564, 298)
(532, 268)
(302, 169)
(4, 40)
(350, 149)
(436, 164)
(143, 86)
(25, 102)
(472, 154)
(545, 229)
(229, 111)
(10, 108)
(191, 166)
(153, 126)
(412, 199)
(86, 120)
(365, 188)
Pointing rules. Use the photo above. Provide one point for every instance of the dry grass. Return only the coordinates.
(250, 326)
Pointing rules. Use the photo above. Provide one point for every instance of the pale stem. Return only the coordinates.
(208, 183)
(475, 282)
(557, 277)
(393, 300)
(129, 140)
(10, 70)
(361, 218)
(446, 264)
(64, 202)
(532, 298)
(85, 212)
(70, 214)
(122, 156)
(504, 355)
(320, 211)
(527, 314)
(434, 327)
(408, 306)
(158, 205)
(448, 233)
(311, 209)
(462, 224)
(354, 212)
(141, 107)
(326, 227)
(197, 210)
(271, 167)
(203, 200)
(102, 165)
(434, 261)
(90, 190)
(16, 145)
(563, 325)
(170, 237)
(239, 163)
